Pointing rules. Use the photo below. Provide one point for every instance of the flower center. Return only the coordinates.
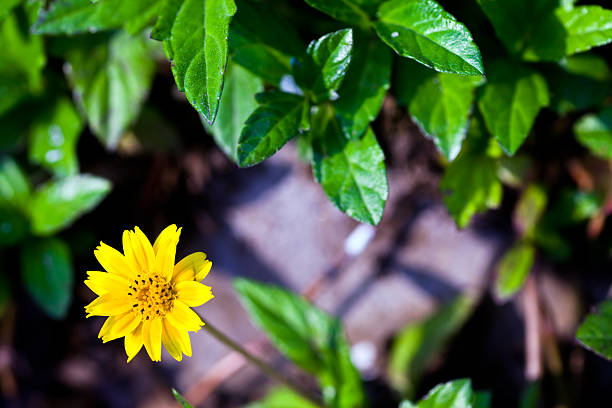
(153, 296)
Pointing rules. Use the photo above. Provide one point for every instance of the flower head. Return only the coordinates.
(146, 297)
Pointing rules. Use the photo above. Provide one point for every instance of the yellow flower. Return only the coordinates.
(146, 296)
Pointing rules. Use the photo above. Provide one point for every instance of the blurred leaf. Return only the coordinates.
(82, 16)
(510, 102)
(453, 394)
(196, 41)
(282, 398)
(347, 11)
(594, 131)
(529, 209)
(470, 186)
(262, 42)
(54, 137)
(56, 204)
(365, 86)
(482, 399)
(513, 170)
(6, 6)
(530, 397)
(269, 127)
(568, 31)
(47, 275)
(513, 269)
(14, 185)
(22, 61)
(179, 398)
(326, 64)
(309, 337)
(418, 344)
(5, 292)
(515, 20)
(13, 226)
(440, 104)
(111, 82)
(579, 82)
(595, 333)
(571, 207)
(423, 31)
(352, 173)
(237, 104)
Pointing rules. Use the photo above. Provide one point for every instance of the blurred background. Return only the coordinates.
(416, 278)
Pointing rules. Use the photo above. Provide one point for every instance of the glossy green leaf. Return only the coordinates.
(111, 81)
(179, 398)
(53, 139)
(594, 131)
(510, 102)
(513, 269)
(14, 226)
(14, 185)
(470, 186)
(529, 210)
(453, 394)
(419, 343)
(237, 104)
(47, 275)
(352, 173)
(595, 333)
(195, 37)
(347, 11)
(364, 89)
(325, 65)
(82, 16)
(21, 64)
(262, 42)
(422, 30)
(282, 398)
(309, 337)
(56, 204)
(273, 124)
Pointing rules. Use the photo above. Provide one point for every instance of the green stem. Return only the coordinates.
(262, 365)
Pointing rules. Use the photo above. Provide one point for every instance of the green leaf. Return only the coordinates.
(325, 65)
(510, 102)
(309, 337)
(513, 269)
(482, 399)
(53, 139)
(195, 39)
(453, 394)
(262, 42)
(440, 104)
(272, 125)
(568, 31)
(470, 186)
(423, 31)
(418, 344)
(529, 210)
(514, 21)
(22, 61)
(82, 16)
(179, 398)
(14, 185)
(531, 395)
(594, 131)
(595, 333)
(282, 398)
(352, 173)
(56, 204)
(347, 11)
(14, 227)
(365, 86)
(6, 6)
(111, 81)
(47, 275)
(237, 103)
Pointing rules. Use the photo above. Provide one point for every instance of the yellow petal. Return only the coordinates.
(113, 261)
(129, 253)
(190, 266)
(203, 271)
(143, 250)
(125, 324)
(181, 337)
(133, 342)
(104, 282)
(170, 342)
(106, 326)
(182, 317)
(108, 305)
(193, 293)
(155, 339)
(165, 250)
